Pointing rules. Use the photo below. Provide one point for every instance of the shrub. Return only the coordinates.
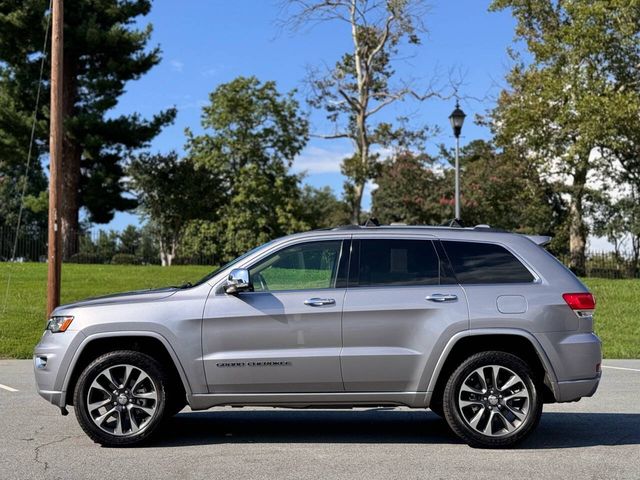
(84, 257)
(125, 259)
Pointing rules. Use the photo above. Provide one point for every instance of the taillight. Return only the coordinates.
(580, 301)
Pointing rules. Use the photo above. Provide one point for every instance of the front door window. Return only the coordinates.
(305, 266)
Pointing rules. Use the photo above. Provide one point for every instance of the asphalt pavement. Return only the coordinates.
(596, 438)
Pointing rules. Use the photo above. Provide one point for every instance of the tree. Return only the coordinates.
(359, 85)
(410, 190)
(148, 250)
(321, 209)
(130, 239)
(566, 105)
(103, 50)
(34, 214)
(505, 190)
(252, 134)
(171, 191)
(265, 205)
(496, 189)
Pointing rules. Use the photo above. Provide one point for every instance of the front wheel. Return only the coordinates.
(120, 398)
(492, 400)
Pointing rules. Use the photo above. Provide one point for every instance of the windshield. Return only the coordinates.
(209, 276)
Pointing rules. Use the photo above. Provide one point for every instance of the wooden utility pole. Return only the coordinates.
(55, 159)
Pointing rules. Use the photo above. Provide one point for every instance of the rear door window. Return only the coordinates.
(394, 262)
(482, 263)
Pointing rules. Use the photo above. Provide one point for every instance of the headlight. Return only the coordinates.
(59, 324)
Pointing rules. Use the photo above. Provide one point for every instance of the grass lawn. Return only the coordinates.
(22, 323)
(617, 320)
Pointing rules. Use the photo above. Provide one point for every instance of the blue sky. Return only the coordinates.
(206, 43)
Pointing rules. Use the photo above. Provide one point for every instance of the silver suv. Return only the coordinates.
(478, 325)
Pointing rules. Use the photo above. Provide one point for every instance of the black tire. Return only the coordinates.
(149, 425)
(461, 427)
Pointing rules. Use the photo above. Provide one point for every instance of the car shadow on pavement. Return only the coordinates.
(556, 429)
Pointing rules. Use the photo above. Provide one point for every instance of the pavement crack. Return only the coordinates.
(36, 450)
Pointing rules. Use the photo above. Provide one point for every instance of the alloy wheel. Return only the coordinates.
(494, 400)
(122, 400)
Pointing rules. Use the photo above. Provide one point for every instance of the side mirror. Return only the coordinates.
(238, 281)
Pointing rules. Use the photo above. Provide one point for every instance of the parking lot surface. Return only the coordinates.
(596, 438)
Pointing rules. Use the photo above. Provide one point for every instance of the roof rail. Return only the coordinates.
(346, 227)
(488, 228)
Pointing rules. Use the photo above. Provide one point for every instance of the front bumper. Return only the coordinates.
(56, 398)
(51, 360)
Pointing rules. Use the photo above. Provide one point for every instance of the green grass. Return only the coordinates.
(23, 320)
(21, 324)
(617, 319)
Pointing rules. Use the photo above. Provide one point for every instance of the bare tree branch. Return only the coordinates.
(357, 87)
(383, 39)
(332, 136)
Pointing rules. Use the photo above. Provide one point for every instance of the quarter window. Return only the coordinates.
(482, 263)
(391, 262)
(303, 266)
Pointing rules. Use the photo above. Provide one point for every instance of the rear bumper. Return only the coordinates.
(575, 358)
(576, 389)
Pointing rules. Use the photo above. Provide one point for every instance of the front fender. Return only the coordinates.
(68, 375)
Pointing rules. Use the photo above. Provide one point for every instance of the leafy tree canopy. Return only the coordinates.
(577, 100)
(171, 191)
(252, 134)
(103, 50)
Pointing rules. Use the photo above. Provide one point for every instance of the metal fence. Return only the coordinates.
(608, 265)
(108, 247)
(101, 247)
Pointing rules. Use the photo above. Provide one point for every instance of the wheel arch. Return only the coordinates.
(518, 342)
(151, 343)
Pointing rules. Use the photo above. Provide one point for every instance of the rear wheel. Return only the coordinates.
(492, 400)
(120, 398)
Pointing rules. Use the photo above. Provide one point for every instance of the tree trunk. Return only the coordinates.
(167, 253)
(71, 153)
(356, 208)
(577, 227)
(362, 174)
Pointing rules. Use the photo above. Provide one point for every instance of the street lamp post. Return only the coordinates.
(457, 119)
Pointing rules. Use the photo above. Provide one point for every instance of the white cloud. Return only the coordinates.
(192, 104)
(213, 71)
(319, 160)
(176, 66)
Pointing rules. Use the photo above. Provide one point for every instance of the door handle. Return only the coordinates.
(442, 297)
(319, 302)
